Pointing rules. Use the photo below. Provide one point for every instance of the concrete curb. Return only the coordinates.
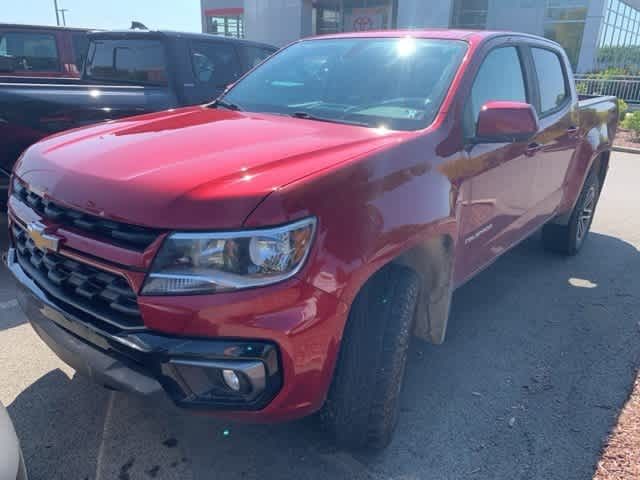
(625, 149)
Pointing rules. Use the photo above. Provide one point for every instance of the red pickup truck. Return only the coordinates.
(269, 255)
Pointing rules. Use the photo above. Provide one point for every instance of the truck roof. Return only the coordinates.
(171, 34)
(444, 33)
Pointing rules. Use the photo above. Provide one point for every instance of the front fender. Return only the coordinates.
(372, 211)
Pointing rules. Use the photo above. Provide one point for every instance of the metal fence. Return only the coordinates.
(622, 86)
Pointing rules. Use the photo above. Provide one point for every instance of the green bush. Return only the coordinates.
(622, 109)
(632, 122)
(610, 72)
(581, 87)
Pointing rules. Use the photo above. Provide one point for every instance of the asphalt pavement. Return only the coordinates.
(540, 356)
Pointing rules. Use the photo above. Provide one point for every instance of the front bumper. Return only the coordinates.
(189, 370)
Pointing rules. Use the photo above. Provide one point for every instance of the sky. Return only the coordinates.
(182, 15)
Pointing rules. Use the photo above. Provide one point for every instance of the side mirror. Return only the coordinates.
(7, 64)
(500, 122)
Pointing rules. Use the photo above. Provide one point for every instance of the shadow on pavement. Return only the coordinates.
(540, 355)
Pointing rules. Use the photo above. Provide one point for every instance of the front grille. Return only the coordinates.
(122, 234)
(101, 296)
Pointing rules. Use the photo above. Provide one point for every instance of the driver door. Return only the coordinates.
(501, 189)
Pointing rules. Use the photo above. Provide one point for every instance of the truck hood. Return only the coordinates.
(190, 168)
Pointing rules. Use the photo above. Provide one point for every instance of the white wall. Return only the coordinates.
(277, 22)
(424, 13)
(516, 15)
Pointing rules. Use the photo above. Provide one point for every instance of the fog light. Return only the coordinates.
(214, 381)
(231, 379)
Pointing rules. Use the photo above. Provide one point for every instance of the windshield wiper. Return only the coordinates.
(309, 116)
(224, 104)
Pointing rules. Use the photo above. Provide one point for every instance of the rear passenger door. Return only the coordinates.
(559, 122)
(215, 65)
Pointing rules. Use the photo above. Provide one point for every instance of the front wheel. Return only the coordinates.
(569, 239)
(361, 410)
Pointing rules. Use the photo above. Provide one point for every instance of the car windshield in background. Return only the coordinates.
(394, 83)
(128, 60)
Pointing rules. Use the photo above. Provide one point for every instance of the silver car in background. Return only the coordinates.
(11, 461)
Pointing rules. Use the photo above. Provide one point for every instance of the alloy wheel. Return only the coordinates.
(586, 213)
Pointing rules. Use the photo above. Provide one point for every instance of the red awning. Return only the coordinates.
(223, 12)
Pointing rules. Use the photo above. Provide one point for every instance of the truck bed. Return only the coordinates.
(598, 119)
(585, 101)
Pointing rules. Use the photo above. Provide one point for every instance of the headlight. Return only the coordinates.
(192, 263)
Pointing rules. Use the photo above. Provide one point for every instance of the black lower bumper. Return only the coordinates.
(190, 370)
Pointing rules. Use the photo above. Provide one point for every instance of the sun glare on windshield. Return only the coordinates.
(406, 47)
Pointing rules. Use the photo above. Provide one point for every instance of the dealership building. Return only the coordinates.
(591, 31)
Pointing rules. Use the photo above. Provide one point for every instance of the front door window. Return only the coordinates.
(470, 14)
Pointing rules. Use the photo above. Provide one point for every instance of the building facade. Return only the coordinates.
(595, 33)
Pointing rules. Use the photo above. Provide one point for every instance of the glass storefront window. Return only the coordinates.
(564, 23)
(226, 25)
(334, 16)
(619, 40)
(470, 14)
(567, 34)
(562, 10)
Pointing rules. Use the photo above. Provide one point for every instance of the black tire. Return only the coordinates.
(569, 239)
(361, 410)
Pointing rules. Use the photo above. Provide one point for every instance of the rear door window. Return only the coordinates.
(551, 80)
(500, 78)
(32, 51)
(131, 61)
(215, 64)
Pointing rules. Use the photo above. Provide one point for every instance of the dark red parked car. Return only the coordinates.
(269, 255)
(42, 51)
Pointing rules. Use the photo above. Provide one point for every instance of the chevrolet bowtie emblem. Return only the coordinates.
(43, 240)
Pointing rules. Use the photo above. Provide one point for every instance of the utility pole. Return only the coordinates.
(55, 5)
(64, 18)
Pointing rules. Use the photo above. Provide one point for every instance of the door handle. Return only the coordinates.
(573, 131)
(533, 148)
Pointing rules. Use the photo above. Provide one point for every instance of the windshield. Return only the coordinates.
(394, 83)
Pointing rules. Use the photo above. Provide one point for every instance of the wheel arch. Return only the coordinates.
(599, 163)
(432, 260)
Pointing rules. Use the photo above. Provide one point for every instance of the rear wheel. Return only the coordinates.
(361, 410)
(568, 239)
